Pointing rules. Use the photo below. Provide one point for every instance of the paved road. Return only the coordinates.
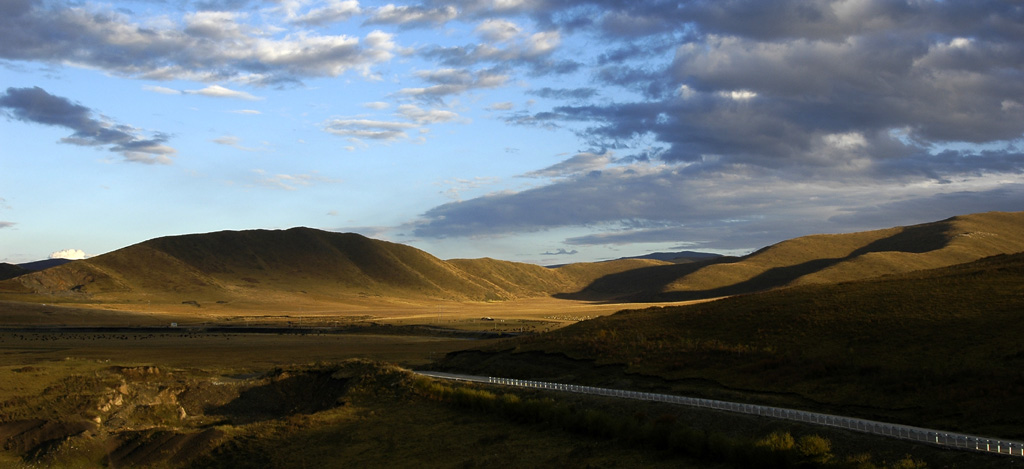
(904, 432)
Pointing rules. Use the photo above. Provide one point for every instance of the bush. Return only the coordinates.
(814, 448)
(777, 442)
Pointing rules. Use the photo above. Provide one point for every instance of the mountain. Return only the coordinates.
(824, 258)
(673, 257)
(678, 257)
(10, 271)
(14, 270)
(279, 265)
(43, 264)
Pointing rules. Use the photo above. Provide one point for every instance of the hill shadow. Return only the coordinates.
(304, 393)
(648, 284)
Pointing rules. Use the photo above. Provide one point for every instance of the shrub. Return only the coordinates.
(777, 442)
(814, 448)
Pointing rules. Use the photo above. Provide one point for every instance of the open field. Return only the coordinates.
(523, 315)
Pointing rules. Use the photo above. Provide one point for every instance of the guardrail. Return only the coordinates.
(892, 430)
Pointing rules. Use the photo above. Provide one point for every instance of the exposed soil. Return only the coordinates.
(145, 415)
(34, 438)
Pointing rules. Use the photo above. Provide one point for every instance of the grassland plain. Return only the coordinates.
(935, 348)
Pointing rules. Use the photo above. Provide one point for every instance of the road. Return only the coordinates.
(929, 436)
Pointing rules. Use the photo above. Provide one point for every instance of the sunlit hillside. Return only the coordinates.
(828, 258)
(308, 265)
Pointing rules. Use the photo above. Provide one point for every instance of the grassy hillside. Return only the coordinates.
(280, 265)
(257, 264)
(306, 265)
(935, 348)
(824, 259)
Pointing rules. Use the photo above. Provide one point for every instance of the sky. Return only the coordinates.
(543, 131)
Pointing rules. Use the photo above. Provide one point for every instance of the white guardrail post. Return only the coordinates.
(903, 432)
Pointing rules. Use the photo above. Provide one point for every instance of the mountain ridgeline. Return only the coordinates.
(276, 265)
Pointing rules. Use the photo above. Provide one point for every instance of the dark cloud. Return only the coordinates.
(211, 46)
(790, 82)
(531, 51)
(6, 224)
(412, 16)
(576, 94)
(452, 81)
(35, 105)
(714, 205)
(560, 252)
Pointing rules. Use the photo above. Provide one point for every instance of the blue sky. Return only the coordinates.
(544, 131)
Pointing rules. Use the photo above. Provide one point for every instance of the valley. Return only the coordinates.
(292, 347)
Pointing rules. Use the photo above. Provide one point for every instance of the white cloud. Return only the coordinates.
(497, 30)
(72, 254)
(412, 15)
(291, 182)
(234, 142)
(376, 105)
(161, 90)
(217, 91)
(738, 95)
(368, 128)
(503, 106)
(204, 46)
(422, 116)
(246, 111)
(335, 10)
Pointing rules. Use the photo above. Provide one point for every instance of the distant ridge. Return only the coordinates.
(10, 271)
(678, 257)
(673, 257)
(14, 270)
(43, 264)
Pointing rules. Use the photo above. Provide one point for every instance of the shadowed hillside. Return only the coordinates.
(933, 348)
(822, 259)
(10, 271)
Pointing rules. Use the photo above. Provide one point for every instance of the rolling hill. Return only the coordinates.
(276, 266)
(934, 348)
(825, 258)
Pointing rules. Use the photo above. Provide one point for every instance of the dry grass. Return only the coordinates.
(934, 348)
